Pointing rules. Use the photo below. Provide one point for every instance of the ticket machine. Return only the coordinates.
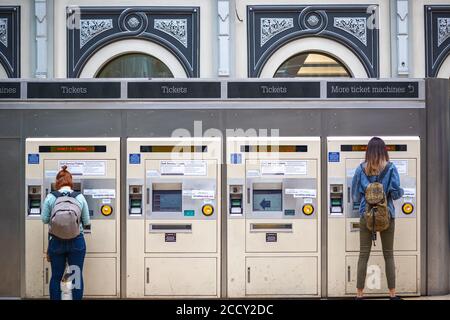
(173, 217)
(94, 164)
(273, 210)
(344, 156)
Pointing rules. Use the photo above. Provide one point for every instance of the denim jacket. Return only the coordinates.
(391, 185)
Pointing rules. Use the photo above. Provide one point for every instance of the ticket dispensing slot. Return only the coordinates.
(236, 200)
(135, 200)
(171, 228)
(166, 197)
(271, 227)
(34, 200)
(336, 199)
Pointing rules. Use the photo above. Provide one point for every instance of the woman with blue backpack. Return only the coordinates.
(67, 214)
(375, 185)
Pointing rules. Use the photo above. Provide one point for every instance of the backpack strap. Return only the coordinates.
(74, 194)
(56, 194)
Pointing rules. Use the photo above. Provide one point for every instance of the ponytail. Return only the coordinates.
(64, 178)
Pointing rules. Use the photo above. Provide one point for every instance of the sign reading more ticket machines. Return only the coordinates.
(94, 164)
(344, 155)
(173, 217)
(273, 210)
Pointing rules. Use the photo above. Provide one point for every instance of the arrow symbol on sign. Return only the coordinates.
(264, 204)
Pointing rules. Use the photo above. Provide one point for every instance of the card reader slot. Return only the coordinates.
(173, 228)
(278, 227)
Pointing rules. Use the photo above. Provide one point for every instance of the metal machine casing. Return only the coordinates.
(344, 155)
(273, 217)
(95, 167)
(173, 217)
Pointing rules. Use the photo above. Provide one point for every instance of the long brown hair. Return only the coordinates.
(64, 178)
(376, 156)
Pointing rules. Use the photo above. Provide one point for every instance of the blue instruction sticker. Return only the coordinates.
(33, 158)
(333, 157)
(135, 158)
(236, 158)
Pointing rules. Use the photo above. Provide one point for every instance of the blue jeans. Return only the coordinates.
(70, 251)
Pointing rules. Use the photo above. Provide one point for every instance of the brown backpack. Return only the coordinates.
(376, 213)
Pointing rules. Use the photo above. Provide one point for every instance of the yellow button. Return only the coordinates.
(106, 210)
(407, 208)
(308, 209)
(207, 210)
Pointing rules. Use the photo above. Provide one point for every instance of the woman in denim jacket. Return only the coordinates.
(377, 159)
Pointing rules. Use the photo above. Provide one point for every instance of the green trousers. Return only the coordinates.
(387, 242)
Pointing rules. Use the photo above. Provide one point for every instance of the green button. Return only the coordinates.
(236, 202)
(189, 213)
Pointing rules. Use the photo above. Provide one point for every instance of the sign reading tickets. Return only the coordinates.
(73, 90)
(183, 168)
(84, 167)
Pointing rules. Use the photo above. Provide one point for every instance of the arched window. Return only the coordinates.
(312, 64)
(134, 65)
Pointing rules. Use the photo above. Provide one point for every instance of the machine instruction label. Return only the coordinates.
(402, 166)
(184, 168)
(203, 194)
(100, 193)
(84, 167)
(286, 167)
(302, 193)
(409, 193)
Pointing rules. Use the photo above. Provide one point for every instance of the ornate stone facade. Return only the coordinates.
(357, 27)
(443, 30)
(270, 27)
(4, 32)
(175, 28)
(89, 28)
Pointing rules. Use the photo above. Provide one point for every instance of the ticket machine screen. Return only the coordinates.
(267, 200)
(166, 201)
